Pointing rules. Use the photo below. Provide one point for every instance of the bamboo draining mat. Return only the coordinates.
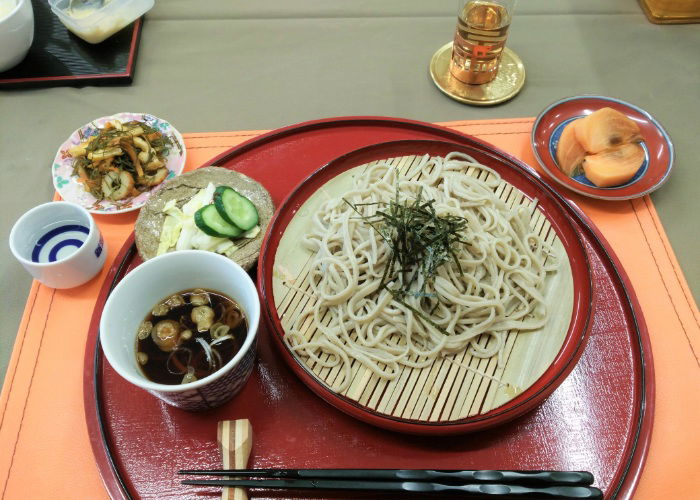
(451, 388)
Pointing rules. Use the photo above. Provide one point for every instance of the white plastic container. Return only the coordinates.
(102, 23)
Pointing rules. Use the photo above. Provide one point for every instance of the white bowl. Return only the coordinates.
(136, 294)
(16, 34)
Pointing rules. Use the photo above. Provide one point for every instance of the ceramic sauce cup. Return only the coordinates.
(59, 244)
(146, 286)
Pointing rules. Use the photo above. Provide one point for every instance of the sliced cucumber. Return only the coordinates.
(208, 220)
(235, 208)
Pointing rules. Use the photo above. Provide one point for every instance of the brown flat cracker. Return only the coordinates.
(182, 189)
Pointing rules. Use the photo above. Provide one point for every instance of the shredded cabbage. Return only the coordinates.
(172, 225)
(251, 233)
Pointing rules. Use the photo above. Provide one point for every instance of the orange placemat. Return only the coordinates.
(44, 443)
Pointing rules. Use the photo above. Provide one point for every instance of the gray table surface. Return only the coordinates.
(220, 65)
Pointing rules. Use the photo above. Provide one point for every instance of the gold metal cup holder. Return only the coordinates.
(508, 82)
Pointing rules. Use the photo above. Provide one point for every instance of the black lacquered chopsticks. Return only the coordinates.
(464, 483)
(545, 478)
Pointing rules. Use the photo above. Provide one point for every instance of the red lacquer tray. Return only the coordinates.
(599, 419)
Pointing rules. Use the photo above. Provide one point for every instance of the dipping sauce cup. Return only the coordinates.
(151, 282)
(59, 244)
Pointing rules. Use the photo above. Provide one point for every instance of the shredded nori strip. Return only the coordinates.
(125, 163)
(420, 240)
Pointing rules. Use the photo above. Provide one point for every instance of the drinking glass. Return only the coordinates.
(482, 30)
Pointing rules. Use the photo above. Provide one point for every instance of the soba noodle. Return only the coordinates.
(499, 288)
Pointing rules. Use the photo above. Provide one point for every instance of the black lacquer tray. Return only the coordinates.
(59, 58)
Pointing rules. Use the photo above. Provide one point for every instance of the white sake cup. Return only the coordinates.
(16, 34)
(59, 244)
(149, 283)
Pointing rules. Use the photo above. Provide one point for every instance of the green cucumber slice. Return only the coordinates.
(235, 208)
(208, 220)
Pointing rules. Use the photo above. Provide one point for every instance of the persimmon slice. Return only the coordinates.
(570, 153)
(614, 166)
(605, 129)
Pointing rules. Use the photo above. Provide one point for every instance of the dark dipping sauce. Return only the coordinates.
(169, 341)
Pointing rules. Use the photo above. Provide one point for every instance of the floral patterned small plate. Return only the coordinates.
(71, 190)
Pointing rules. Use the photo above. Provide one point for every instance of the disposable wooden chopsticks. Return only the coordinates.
(485, 483)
